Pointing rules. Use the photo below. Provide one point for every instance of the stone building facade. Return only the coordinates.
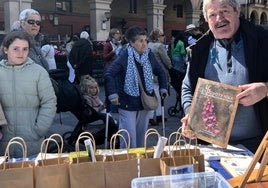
(62, 18)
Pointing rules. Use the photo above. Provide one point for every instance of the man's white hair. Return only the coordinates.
(233, 3)
(25, 14)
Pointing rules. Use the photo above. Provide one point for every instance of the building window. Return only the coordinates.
(64, 5)
(132, 6)
(179, 11)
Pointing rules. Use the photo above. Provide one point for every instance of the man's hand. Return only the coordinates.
(252, 93)
(184, 129)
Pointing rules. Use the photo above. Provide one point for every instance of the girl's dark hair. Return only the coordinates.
(13, 35)
(133, 32)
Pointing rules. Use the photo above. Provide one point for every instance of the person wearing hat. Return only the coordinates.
(192, 33)
(81, 56)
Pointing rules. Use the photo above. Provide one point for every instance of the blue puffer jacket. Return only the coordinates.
(115, 80)
(29, 103)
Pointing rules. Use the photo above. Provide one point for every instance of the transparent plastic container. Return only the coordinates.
(191, 180)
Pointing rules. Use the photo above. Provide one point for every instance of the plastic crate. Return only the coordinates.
(192, 180)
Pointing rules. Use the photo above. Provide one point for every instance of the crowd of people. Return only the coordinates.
(232, 51)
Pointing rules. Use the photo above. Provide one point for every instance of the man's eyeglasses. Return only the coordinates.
(32, 22)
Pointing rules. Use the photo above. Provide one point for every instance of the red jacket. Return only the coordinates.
(108, 54)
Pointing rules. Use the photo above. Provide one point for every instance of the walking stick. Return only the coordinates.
(107, 125)
(163, 116)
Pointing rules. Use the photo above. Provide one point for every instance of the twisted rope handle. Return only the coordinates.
(185, 154)
(20, 139)
(46, 141)
(149, 132)
(87, 135)
(191, 133)
(56, 135)
(20, 142)
(113, 141)
(178, 140)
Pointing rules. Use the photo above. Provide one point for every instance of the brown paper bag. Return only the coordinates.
(183, 147)
(179, 158)
(84, 173)
(18, 174)
(123, 168)
(82, 159)
(167, 165)
(149, 166)
(52, 173)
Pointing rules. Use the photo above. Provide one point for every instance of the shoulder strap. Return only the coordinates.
(48, 51)
(139, 78)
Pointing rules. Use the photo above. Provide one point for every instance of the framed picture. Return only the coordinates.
(213, 111)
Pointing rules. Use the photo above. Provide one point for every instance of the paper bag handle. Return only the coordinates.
(175, 144)
(149, 132)
(46, 141)
(172, 152)
(177, 139)
(61, 139)
(113, 141)
(20, 139)
(87, 135)
(23, 146)
(190, 140)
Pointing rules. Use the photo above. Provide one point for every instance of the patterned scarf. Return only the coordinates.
(131, 86)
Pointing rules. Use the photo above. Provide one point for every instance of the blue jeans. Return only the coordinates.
(178, 63)
(136, 123)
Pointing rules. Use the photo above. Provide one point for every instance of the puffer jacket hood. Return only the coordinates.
(28, 61)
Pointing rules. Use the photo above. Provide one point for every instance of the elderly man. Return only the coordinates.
(232, 52)
(30, 21)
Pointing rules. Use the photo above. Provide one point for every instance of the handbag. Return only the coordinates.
(149, 102)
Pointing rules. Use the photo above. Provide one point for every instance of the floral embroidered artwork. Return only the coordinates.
(212, 111)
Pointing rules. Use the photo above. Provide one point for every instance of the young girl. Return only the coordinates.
(90, 90)
(26, 94)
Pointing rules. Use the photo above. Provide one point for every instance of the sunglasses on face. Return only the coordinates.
(32, 22)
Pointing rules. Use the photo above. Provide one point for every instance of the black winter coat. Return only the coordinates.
(81, 57)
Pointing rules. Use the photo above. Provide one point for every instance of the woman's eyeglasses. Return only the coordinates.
(162, 35)
(32, 22)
